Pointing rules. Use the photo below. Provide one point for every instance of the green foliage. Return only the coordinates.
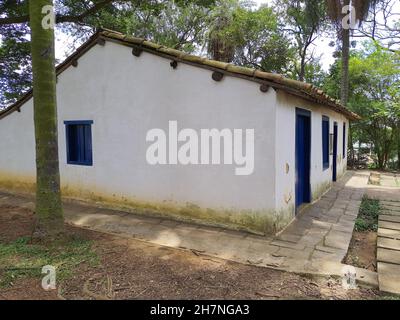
(375, 96)
(15, 69)
(303, 21)
(367, 219)
(249, 37)
(20, 259)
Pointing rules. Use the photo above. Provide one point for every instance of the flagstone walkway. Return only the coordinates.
(315, 243)
(388, 252)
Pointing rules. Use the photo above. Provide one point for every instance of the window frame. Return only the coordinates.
(344, 140)
(325, 143)
(68, 124)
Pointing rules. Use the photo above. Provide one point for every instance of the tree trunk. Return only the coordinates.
(344, 85)
(344, 92)
(302, 73)
(49, 214)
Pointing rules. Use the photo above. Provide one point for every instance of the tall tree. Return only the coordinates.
(303, 21)
(248, 37)
(221, 45)
(49, 212)
(15, 62)
(180, 24)
(342, 14)
(375, 95)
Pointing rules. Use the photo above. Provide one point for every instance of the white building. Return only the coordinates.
(115, 89)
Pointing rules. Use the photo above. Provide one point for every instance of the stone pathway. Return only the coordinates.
(388, 252)
(315, 243)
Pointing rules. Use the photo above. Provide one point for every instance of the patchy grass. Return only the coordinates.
(362, 249)
(367, 219)
(19, 259)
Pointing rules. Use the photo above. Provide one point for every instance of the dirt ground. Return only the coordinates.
(131, 269)
(362, 250)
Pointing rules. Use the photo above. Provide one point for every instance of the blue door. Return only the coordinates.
(303, 156)
(335, 150)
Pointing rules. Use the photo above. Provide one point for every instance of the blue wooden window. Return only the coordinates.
(325, 142)
(79, 142)
(344, 140)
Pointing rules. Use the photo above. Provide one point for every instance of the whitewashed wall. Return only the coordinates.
(321, 179)
(17, 148)
(126, 96)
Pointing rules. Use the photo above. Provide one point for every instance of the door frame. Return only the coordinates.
(335, 151)
(307, 114)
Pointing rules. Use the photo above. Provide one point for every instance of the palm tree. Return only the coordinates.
(49, 214)
(335, 13)
(220, 45)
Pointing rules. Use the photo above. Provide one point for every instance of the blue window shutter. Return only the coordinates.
(79, 142)
(88, 144)
(325, 142)
(344, 140)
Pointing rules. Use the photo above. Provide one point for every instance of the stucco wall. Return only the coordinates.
(320, 179)
(126, 96)
(17, 149)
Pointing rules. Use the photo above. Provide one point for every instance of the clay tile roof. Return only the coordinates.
(277, 81)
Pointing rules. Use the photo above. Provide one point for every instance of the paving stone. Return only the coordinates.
(263, 247)
(391, 207)
(335, 211)
(351, 212)
(285, 244)
(330, 219)
(388, 243)
(347, 220)
(389, 233)
(297, 228)
(313, 237)
(323, 204)
(389, 256)
(289, 237)
(322, 224)
(354, 204)
(295, 265)
(228, 248)
(356, 196)
(271, 261)
(327, 256)
(390, 212)
(389, 218)
(340, 204)
(343, 227)
(390, 203)
(294, 254)
(310, 241)
(337, 239)
(328, 249)
(389, 225)
(389, 277)
(314, 212)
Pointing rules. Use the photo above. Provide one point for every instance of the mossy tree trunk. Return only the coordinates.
(49, 212)
(344, 91)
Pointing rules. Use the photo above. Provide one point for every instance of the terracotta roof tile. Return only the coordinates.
(302, 89)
